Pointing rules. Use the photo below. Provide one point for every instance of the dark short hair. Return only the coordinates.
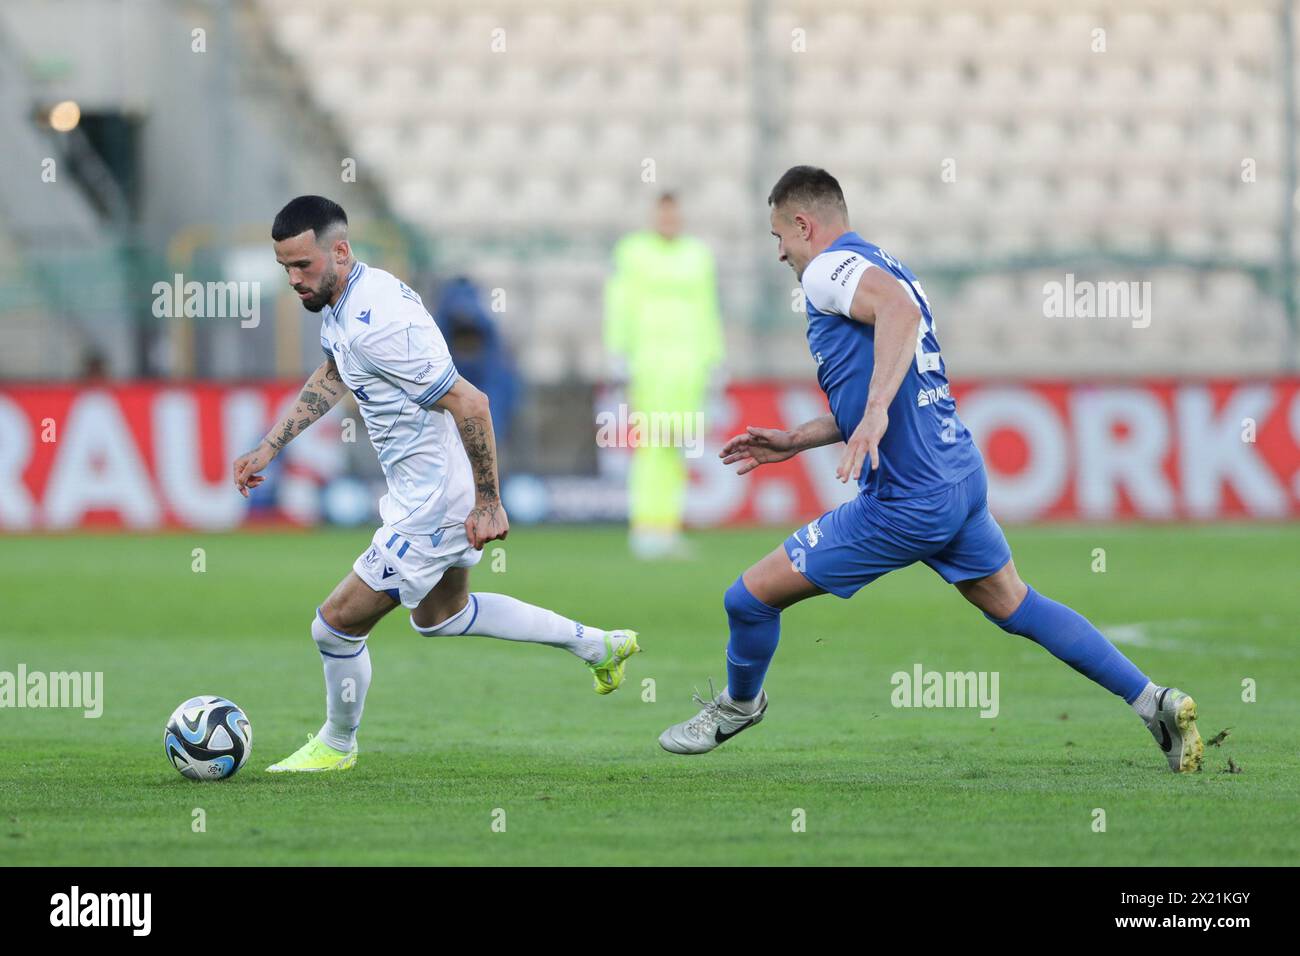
(307, 212)
(808, 186)
(667, 196)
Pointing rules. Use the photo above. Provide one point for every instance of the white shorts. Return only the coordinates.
(408, 566)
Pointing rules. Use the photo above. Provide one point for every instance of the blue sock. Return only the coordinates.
(1069, 636)
(755, 630)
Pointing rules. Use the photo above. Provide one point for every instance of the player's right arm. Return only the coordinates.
(469, 407)
(848, 284)
(763, 446)
(317, 397)
(411, 354)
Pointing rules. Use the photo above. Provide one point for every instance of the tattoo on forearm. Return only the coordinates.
(285, 436)
(311, 405)
(331, 383)
(321, 392)
(477, 437)
(314, 403)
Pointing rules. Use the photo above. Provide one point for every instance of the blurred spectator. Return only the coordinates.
(478, 350)
(95, 367)
(662, 325)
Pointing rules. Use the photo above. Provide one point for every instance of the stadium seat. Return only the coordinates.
(1058, 150)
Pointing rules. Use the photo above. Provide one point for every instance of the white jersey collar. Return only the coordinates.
(358, 270)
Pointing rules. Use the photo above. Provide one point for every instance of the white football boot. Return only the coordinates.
(1174, 728)
(715, 724)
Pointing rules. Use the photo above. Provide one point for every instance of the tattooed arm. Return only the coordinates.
(318, 396)
(469, 407)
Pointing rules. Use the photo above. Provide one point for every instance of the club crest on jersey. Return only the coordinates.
(814, 533)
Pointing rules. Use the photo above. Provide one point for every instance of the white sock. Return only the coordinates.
(504, 617)
(742, 706)
(347, 678)
(1145, 704)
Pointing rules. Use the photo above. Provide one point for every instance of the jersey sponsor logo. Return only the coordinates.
(818, 356)
(930, 396)
(851, 260)
(428, 367)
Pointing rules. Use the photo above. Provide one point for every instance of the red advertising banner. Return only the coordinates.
(1154, 450)
(146, 455)
(151, 455)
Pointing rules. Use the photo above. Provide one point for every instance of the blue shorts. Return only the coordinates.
(951, 531)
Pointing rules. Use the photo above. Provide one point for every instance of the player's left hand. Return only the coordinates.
(487, 522)
(864, 443)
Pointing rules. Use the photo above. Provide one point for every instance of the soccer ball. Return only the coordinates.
(208, 738)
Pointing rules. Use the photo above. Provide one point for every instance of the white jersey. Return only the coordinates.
(392, 356)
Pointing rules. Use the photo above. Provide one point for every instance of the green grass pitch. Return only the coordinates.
(458, 728)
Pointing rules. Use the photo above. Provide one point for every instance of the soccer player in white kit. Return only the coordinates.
(433, 433)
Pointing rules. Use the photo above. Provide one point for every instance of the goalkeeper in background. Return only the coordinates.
(662, 325)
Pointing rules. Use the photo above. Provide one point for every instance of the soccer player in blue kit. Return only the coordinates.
(922, 485)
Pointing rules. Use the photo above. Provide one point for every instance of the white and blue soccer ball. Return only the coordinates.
(208, 738)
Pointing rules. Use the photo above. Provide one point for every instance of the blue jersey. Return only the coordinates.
(926, 447)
